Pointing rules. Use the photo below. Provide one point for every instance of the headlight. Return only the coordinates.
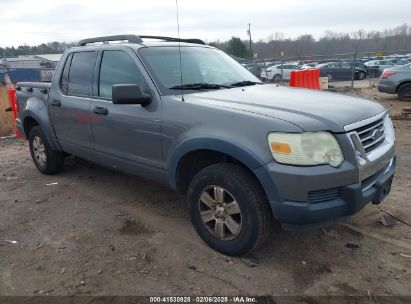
(305, 149)
(389, 129)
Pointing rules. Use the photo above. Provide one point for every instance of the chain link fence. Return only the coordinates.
(23, 74)
(6, 115)
(353, 69)
(350, 69)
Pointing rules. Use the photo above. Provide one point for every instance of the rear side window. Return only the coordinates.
(117, 67)
(65, 74)
(81, 70)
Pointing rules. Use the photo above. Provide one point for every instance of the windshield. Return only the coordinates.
(200, 65)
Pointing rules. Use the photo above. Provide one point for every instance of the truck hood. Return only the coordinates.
(310, 110)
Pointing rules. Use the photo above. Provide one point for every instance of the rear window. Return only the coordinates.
(81, 70)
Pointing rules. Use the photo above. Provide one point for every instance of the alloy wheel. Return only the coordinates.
(39, 151)
(220, 212)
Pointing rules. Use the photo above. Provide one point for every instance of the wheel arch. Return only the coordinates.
(30, 119)
(209, 151)
(401, 84)
(28, 124)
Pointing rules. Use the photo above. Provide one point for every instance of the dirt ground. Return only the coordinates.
(99, 232)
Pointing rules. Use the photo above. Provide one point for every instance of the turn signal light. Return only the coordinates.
(280, 148)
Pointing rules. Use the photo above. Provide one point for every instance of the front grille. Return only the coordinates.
(371, 135)
(323, 195)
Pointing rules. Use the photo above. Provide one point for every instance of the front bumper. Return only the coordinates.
(352, 198)
(312, 197)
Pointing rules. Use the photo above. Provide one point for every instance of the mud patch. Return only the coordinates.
(133, 226)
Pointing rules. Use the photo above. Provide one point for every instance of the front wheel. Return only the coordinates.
(228, 209)
(47, 160)
(361, 75)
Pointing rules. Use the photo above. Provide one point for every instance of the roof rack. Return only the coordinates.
(137, 39)
(105, 39)
(172, 39)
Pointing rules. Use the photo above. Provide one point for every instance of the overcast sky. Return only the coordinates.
(34, 22)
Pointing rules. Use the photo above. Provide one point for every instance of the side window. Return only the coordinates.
(81, 70)
(117, 67)
(65, 74)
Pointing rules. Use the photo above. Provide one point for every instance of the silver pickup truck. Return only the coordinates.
(185, 114)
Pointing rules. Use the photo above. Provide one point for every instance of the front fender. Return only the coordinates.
(243, 154)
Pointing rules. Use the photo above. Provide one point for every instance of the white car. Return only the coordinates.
(274, 73)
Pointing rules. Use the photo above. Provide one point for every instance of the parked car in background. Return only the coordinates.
(340, 71)
(278, 72)
(399, 61)
(397, 80)
(377, 66)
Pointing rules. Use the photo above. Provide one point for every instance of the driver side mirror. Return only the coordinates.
(129, 94)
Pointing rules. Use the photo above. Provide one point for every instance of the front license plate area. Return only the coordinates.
(383, 189)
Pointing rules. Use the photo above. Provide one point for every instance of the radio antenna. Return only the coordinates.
(179, 52)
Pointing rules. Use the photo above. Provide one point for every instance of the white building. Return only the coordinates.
(48, 60)
(24, 62)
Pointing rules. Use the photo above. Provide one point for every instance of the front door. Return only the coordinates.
(69, 104)
(126, 136)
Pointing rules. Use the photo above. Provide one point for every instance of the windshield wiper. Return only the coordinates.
(199, 86)
(244, 83)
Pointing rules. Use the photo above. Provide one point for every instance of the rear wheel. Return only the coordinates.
(404, 92)
(47, 160)
(228, 209)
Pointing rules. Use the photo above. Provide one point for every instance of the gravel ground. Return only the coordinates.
(92, 231)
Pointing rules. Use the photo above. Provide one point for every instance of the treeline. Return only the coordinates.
(331, 43)
(44, 48)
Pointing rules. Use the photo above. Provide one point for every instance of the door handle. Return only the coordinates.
(100, 110)
(56, 103)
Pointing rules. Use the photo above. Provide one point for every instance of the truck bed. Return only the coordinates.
(34, 85)
(26, 90)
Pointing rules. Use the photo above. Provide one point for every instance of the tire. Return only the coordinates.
(47, 160)
(361, 76)
(277, 78)
(404, 92)
(249, 209)
(330, 77)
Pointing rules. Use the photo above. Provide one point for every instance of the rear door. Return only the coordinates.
(346, 70)
(332, 69)
(69, 104)
(126, 136)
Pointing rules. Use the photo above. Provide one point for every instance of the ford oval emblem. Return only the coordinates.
(377, 133)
